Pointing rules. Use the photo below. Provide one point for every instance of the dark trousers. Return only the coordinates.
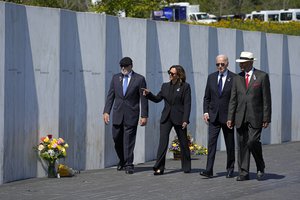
(165, 129)
(249, 141)
(124, 138)
(213, 134)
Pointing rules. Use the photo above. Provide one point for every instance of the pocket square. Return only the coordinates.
(256, 85)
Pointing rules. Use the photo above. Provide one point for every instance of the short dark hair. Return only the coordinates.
(126, 61)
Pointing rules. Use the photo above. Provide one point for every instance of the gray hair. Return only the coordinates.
(222, 56)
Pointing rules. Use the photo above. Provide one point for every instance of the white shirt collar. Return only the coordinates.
(130, 74)
(224, 74)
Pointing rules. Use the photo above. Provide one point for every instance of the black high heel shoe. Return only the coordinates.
(158, 172)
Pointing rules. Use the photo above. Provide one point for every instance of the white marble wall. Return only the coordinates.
(56, 66)
(2, 85)
(290, 84)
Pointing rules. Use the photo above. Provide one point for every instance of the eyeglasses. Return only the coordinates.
(218, 64)
(171, 73)
(124, 66)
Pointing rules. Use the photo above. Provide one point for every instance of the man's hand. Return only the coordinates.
(106, 118)
(265, 124)
(230, 124)
(206, 117)
(143, 121)
(184, 125)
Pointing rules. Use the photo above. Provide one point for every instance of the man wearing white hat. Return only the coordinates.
(250, 111)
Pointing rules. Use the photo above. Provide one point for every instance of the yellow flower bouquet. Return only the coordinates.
(51, 149)
(195, 149)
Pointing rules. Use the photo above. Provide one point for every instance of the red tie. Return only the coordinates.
(247, 80)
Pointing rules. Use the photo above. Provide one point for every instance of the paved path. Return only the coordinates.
(282, 181)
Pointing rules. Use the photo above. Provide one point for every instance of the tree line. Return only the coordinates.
(143, 8)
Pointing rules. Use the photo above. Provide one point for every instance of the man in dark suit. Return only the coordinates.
(250, 111)
(125, 95)
(215, 108)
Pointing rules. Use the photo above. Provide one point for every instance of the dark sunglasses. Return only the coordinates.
(218, 64)
(171, 73)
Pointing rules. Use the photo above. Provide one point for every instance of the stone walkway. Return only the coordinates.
(282, 181)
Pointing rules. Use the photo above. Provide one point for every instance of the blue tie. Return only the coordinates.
(220, 84)
(125, 84)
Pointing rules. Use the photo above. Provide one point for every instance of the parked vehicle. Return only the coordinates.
(232, 17)
(266, 15)
(183, 11)
(175, 12)
(286, 15)
(202, 17)
(289, 15)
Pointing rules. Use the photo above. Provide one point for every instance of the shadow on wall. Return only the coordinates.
(286, 116)
(20, 98)
(153, 78)
(239, 48)
(213, 49)
(264, 64)
(186, 60)
(72, 95)
(113, 44)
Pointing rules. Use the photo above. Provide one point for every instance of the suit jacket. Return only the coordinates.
(177, 100)
(126, 107)
(251, 105)
(215, 104)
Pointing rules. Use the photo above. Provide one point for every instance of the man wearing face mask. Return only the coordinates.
(125, 96)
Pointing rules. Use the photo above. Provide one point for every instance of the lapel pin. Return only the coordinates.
(178, 89)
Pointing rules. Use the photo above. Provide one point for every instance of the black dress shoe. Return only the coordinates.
(129, 170)
(242, 178)
(120, 166)
(158, 172)
(206, 174)
(260, 175)
(229, 174)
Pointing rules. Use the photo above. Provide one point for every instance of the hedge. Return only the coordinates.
(290, 28)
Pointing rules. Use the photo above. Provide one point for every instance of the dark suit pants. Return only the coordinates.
(213, 134)
(124, 138)
(249, 141)
(165, 129)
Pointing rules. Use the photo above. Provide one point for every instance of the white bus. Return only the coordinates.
(266, 15)
(289, 15)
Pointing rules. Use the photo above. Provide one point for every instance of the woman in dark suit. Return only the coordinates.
(177, 97)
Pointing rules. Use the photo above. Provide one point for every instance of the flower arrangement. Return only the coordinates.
(51, 149)
(195, 149)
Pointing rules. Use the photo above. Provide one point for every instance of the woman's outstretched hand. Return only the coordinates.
(145, 91)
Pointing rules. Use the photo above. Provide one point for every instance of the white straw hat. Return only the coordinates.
(245, 57)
